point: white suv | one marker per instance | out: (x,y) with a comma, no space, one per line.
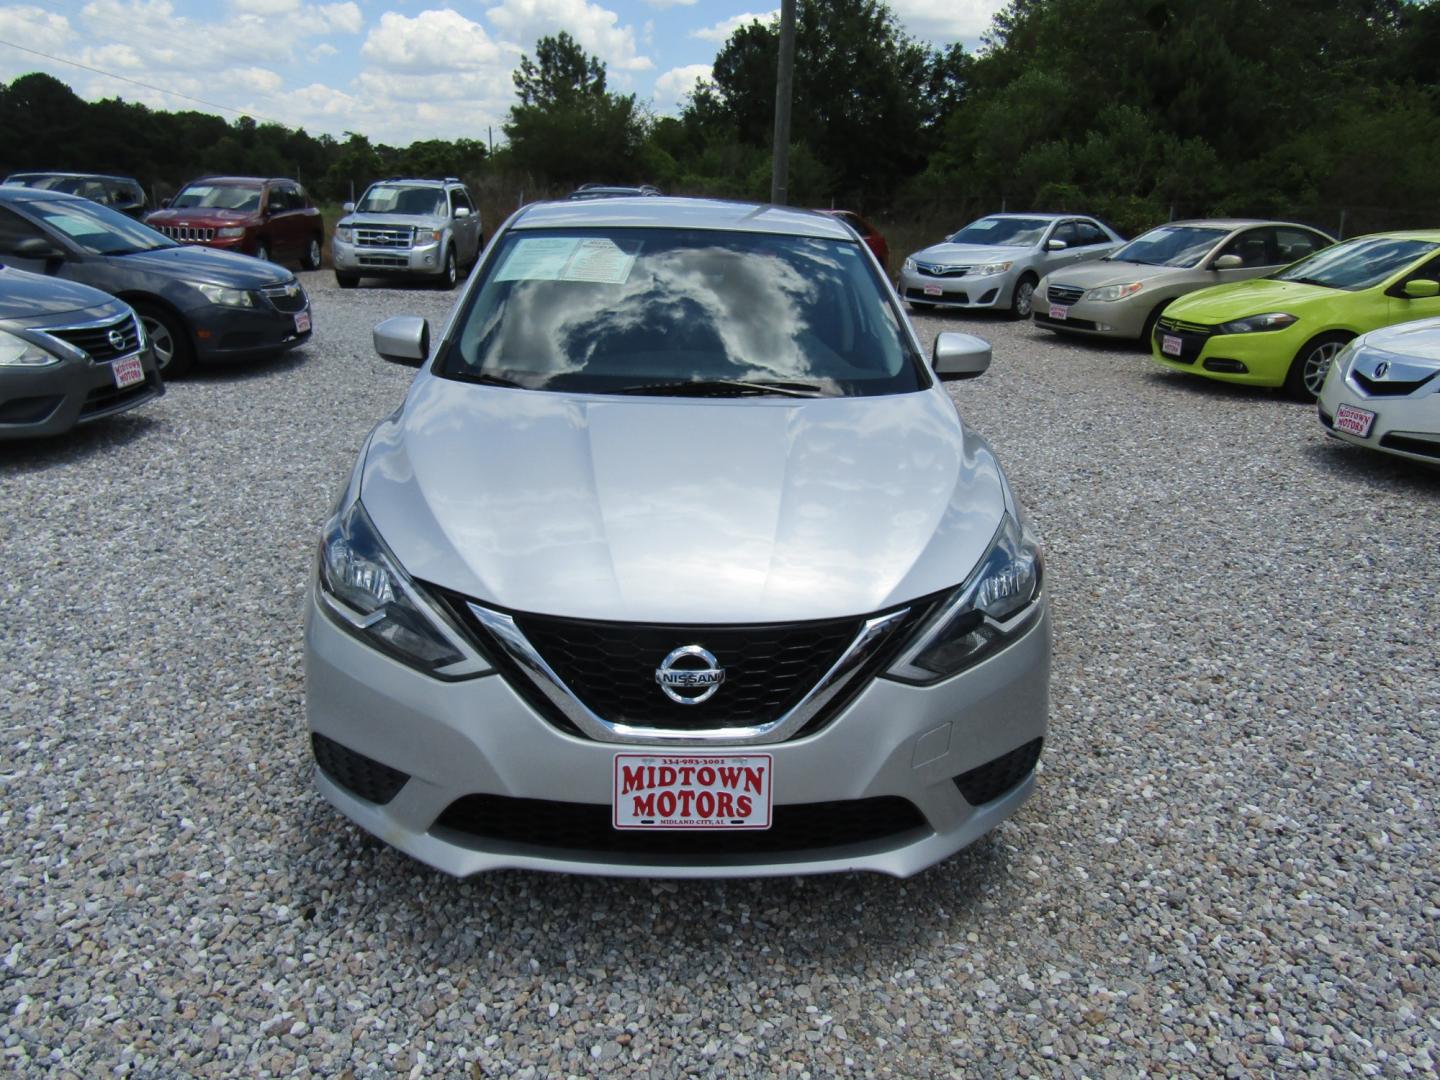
(406,227)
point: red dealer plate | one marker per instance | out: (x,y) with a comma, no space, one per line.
(302,322)
(1059,311)
(934,290)
(1354,421)
(1170,345)
(127,371)
(692,791)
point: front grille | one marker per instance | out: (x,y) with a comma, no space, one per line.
(999,775)
(1411,445)
(95,340)
(1376,388)
(388,261)
(949,297)
(1193,337)
(1064,294)
(371,780)
(800,828)
(611,667)
(283,299)
(941,270)
(188,234)
(379,236)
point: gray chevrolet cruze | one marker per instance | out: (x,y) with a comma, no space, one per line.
(677,561)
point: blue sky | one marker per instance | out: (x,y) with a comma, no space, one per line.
(395,70)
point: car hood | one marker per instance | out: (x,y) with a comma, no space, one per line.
(1238,299)
(36,300)
(203,265)
(681,510)
(1413,345)
(202,216)
(970,254)
(394,221)
(1097,274)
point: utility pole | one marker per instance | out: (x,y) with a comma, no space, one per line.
(784,88)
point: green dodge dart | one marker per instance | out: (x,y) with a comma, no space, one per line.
(1284,329)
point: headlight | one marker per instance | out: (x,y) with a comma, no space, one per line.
(17,352)
(1274,320)
(230,231)
(364,587)
(909,265)
(425,236)
(1115,292)
(984,614)
(990,268)
(344,233)
(219,294)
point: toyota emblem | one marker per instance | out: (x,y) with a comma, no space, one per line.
(690,675)
(1381,368)
(117,340)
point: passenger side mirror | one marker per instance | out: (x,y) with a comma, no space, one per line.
(1421,288)
(403,339)
(1055,245)
(165,204)
(1227,262)
(960,356)
(39,249)
(348,208)
(461,211)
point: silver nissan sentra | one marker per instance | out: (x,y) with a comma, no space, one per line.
(677,561)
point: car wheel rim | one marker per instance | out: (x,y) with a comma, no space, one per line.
(314,253)
(451,272)
(1317,364)
(1024,294)
(160,341)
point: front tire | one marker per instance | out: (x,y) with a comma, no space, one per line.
(1022,301)
(450,274)
(311,259)
(1147,333)
(1308,369)
(346,281)
(169,339)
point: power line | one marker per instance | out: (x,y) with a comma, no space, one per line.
(145,85)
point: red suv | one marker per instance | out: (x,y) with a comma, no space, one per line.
(270,219)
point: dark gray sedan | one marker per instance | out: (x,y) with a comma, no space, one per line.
(195,303)
(69,354)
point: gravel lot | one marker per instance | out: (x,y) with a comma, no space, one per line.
(1228,868)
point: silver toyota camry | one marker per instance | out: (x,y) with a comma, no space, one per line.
(677,561)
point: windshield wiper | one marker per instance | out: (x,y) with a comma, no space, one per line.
(487,379)
(722,388)
(1309,281)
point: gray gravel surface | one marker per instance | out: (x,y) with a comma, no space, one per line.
(1228,868)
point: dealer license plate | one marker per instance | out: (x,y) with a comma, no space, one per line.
(1354,421)
(302,322)
(692,791)
(934,290)
(1170,345)
(127,371)
(1059,311)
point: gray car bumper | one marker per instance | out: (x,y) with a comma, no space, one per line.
(452,740)
(51,400)
(427,260)
(989,291)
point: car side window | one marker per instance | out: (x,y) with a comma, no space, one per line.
(1292,245)
(298,199)
(1255,247)
(14,229)
(279,200)
(459,200)
(1090,233)
(1068,232)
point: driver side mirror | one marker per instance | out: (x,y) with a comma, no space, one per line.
(1055,245)
(960,356)
(1227,262)
(348,208)
(1421,288)
(462,212)
(403,339)
(37,248)
(165,203)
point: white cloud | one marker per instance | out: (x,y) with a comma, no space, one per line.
(663,4)
(320,52)
(721,31)
(672,86)
(35,28)
(946,20)
(432,41)
(597,29)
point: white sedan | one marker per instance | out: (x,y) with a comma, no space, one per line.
(1383,391)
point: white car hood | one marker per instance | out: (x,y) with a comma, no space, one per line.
(970,254)
(681,510)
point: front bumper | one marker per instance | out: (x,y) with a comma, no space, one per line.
(1094,318)
(52,400)
(478,737)
(1407,426)
(426,260)
(988,291)
(1258,359)
(233,333)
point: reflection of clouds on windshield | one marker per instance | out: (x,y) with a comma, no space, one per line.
(740,315)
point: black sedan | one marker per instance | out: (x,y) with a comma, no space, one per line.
(69,354)
(196,303)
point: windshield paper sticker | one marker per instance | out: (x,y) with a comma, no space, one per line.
(561,258)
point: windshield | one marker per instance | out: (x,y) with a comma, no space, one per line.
(1356,264)
(97,229)
(398,199)
(44,182)
(680,311)
(1171,245)
(1002,232)
(213,196)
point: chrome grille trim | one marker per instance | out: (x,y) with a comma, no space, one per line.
(187,234)
(379,236)
(93,338)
